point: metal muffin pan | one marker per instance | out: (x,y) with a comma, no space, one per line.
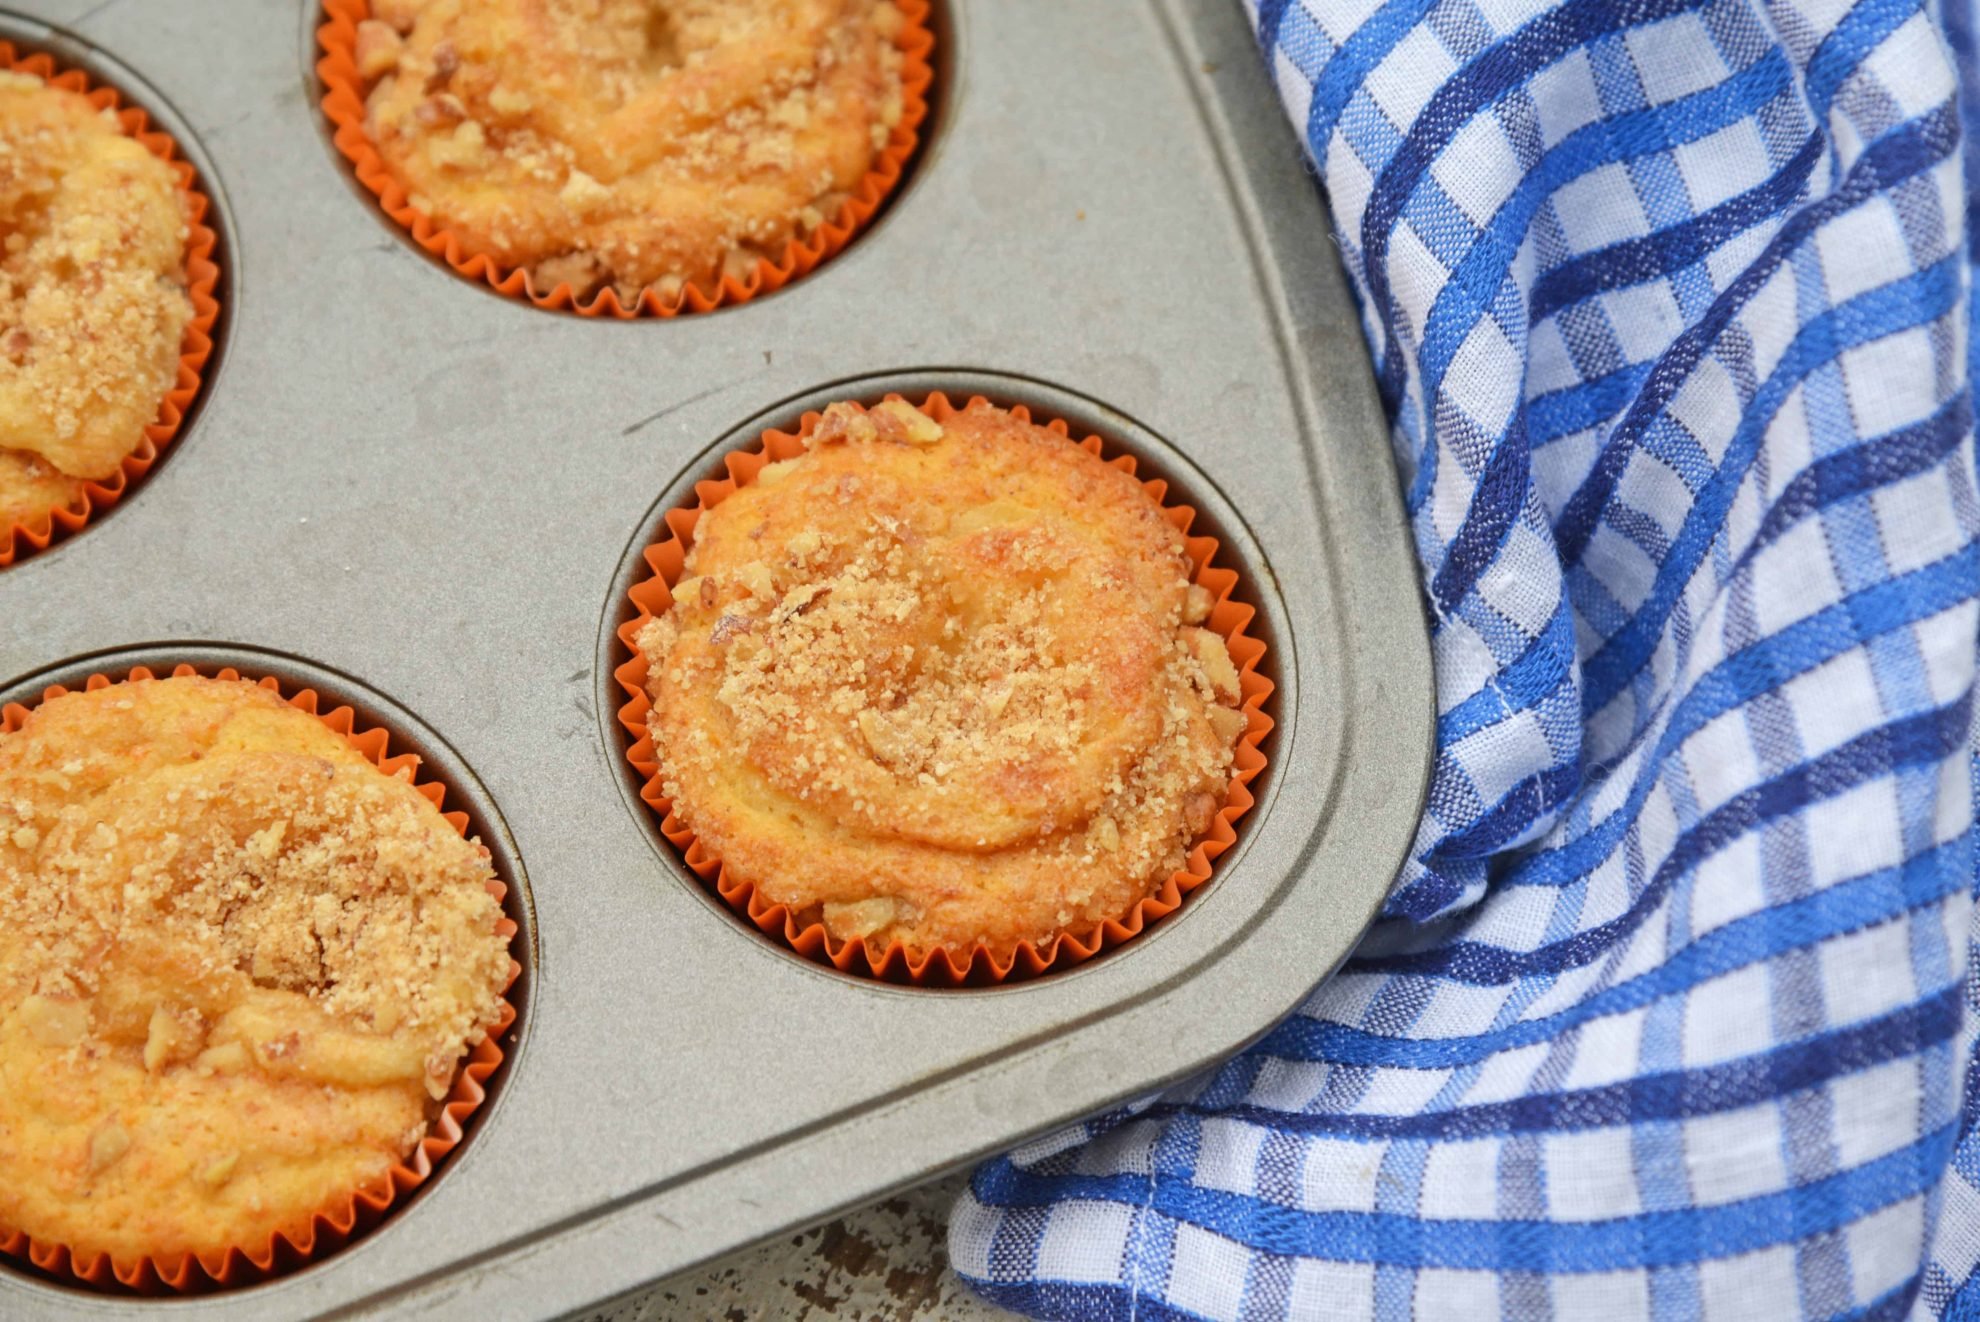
(426,497)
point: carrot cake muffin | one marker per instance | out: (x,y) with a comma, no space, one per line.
(93,301)
(942,684)
(633,143)
(241,966)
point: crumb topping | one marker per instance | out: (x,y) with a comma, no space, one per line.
(213,902)
(322,880)
(940,681)
(93,302)
(633,143)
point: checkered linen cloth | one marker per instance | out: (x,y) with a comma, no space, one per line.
(1673,1011)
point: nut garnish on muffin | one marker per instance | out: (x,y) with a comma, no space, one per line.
(242,966)
(942,684)
(93,301)
(630,143)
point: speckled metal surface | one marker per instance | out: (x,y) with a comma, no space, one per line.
(884,1263)
(400,478)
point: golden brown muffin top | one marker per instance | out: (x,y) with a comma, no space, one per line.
(217,907)
(630,142)
(942,682)
(93,302)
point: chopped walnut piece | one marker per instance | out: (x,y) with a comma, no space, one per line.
(55,1023)
(439,1076)
(886,742)
(1228,722)
(860,919)
(1106,835)
(399,14)
(582,271)
(581,192)
(844,423)
(740,264)
(898,420)
(1216,659)
(227,1058)
(756,579)
(439,111)
(381,118)
(218,1171)
(508,102)
(446,63)
(1197,604)
(729,626)
(376,49)
(464,148)
(267,842)
(161,1039)
(108,1145)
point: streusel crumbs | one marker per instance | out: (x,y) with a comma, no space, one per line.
(93,301)
(631,143)
(242,965)
(942,683)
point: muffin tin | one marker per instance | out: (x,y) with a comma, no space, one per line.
(423,498)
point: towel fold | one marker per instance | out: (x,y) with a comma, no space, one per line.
(1672,1012)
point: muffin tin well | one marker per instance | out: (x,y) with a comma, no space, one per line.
(47,52)
(891,171)
(464,794)
(1155,458)
(399,478)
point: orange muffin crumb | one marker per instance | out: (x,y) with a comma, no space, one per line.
(93,301)
(942,683)
(31,486)
(631,143)
(241,967)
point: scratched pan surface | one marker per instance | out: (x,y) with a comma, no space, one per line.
(424,498)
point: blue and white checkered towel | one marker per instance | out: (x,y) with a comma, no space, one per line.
(1673,1012)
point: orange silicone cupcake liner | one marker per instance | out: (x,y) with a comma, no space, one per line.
(202,278)
(335,1225)
(343,103)
(940,967)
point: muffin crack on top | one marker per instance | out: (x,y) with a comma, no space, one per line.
(93,294)
(242,967)
(630,144)
(942,684)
